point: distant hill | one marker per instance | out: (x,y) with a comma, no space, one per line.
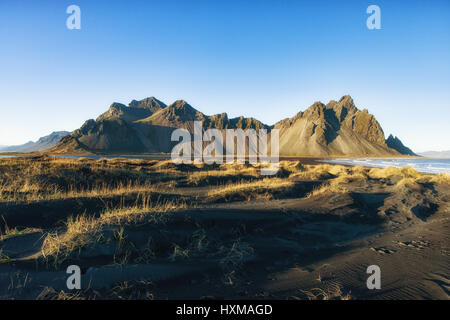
(42,144)
(336,129)
(16,148)
(436,154)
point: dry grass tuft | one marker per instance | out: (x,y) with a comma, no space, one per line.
(125,290)
(388,172)
(333,292)
(410,183)
(85,230)
(442,178)
(10,233)
(249,190)
(293,166)
(212,177)
(314,172)
(328,188)
(27,180)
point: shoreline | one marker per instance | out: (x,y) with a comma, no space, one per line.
(420,164)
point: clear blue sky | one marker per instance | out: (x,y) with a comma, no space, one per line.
(265,59)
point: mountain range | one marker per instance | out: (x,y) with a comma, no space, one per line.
(42,144)
(436,154)
(338,128)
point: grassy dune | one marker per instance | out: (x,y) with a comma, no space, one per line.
(106,213)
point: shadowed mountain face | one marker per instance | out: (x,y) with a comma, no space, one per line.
(337,128)
(396,144)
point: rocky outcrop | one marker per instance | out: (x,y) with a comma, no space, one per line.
(396,144)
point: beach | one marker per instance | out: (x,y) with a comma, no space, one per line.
(150,229)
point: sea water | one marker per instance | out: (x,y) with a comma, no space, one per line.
(425,165)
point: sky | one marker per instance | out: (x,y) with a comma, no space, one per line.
(256,58)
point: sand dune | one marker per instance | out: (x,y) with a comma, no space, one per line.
(194,231)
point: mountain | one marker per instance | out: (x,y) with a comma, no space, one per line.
(396,144)
(336,129)
(143,126)
(42,144)
(16,148)
(436,154)
(46,142)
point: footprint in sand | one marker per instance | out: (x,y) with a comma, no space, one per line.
(419,245)
(382,250)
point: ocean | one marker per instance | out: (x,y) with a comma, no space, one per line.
(426,165)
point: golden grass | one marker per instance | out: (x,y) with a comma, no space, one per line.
(349,176)
(207,177)
(38,192)
(388,172)
(328,188)
(252,188)
(46,178)
(443,178)
(124,290)
(410,183)
(27,180)
(292,166)
(333,292)
(314,172)
(10,233)
(84,230)
(51,294)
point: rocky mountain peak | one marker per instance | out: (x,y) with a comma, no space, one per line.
(181,108)
(150,103)
(315,111)
(347,101)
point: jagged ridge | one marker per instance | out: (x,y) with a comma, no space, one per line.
(336,129)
